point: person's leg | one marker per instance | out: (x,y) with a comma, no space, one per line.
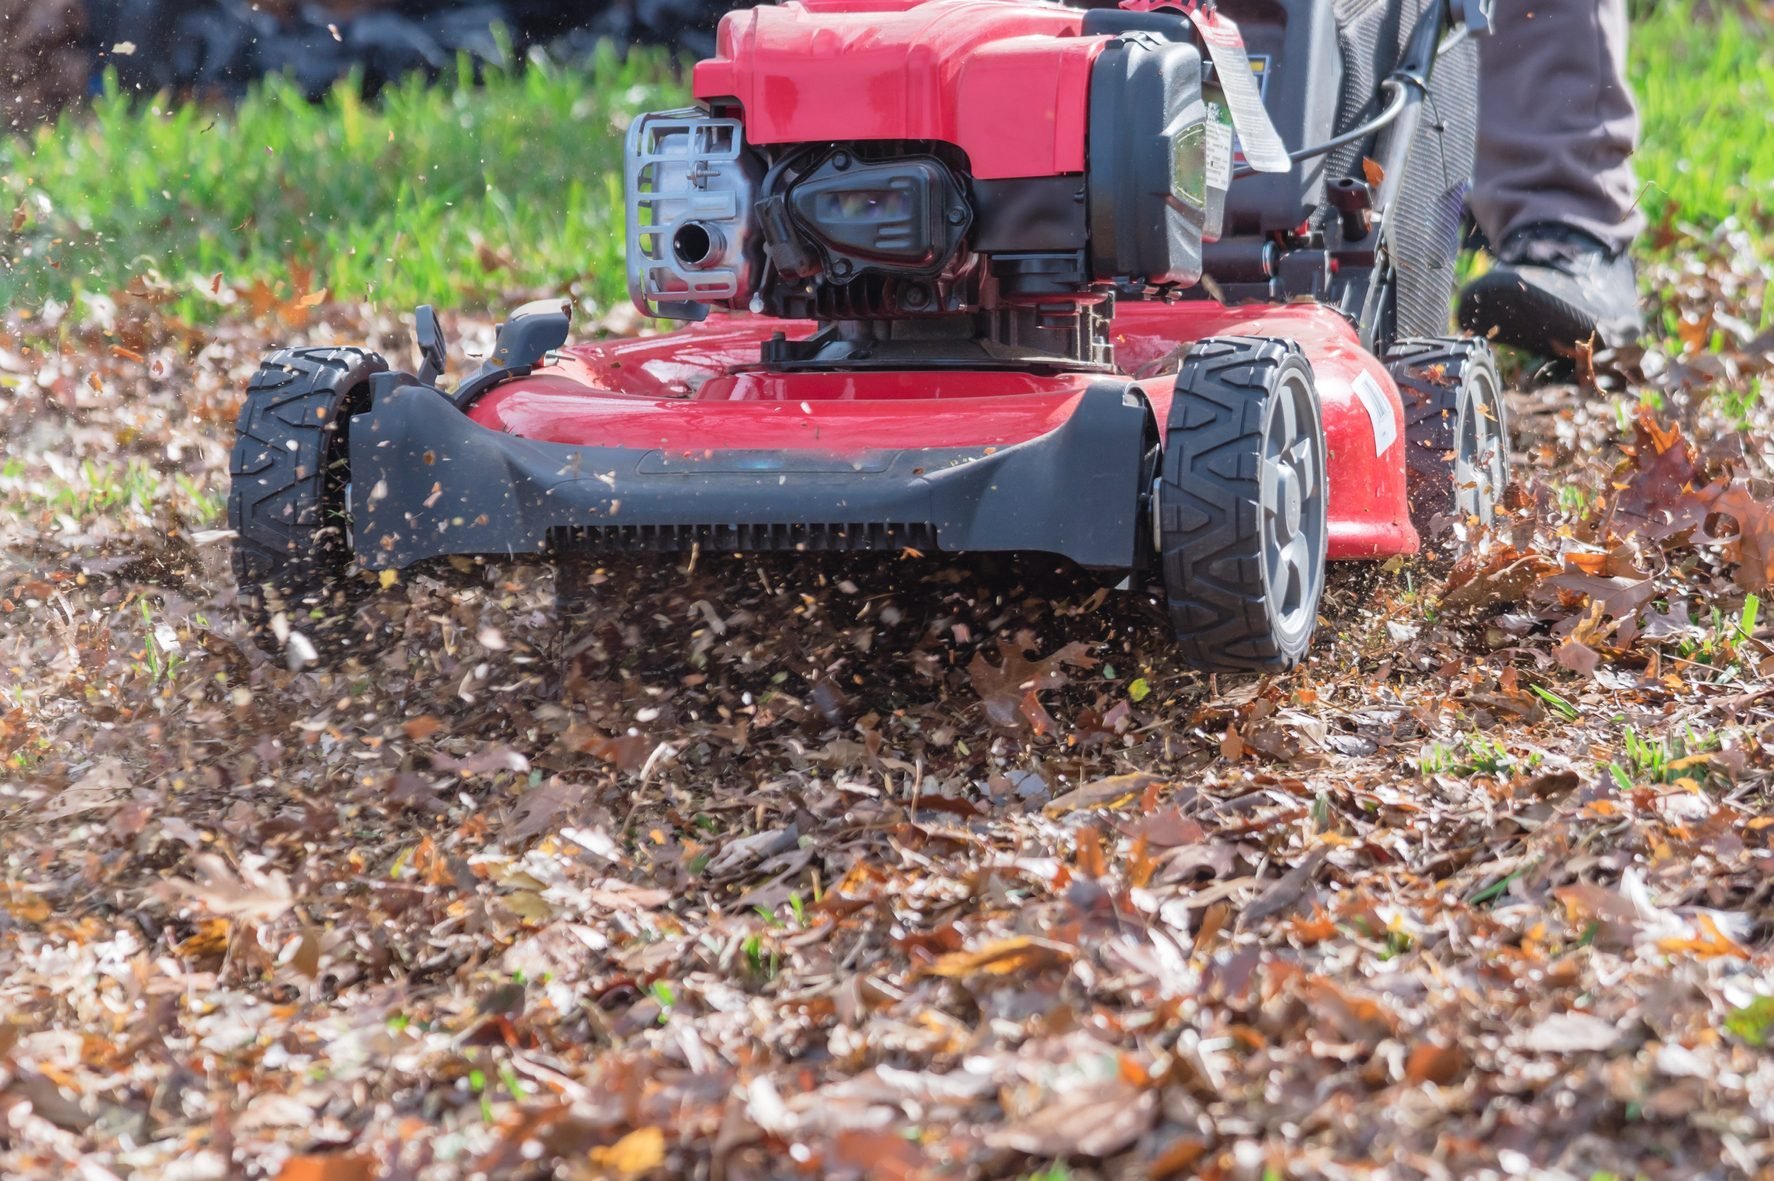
(1554,191)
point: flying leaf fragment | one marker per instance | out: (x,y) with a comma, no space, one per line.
(1504,575)
(1752,547)
(1009,691)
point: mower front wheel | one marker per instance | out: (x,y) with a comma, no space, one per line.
(286,496)
(1456,433)
(1239,505)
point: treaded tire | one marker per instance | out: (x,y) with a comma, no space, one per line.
(286,495)
(1242,596)
(1456,434)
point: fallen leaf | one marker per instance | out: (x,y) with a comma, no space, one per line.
(1432,1062)
(885,1155)
(421,727)
(626,752)
(639,1152)
(1570,1033)
(1579,658)
(250,895)
(1286,891)
(210,939)
(1094,1119)
(1658,491)
(107,785)
(334,1166)
(1019,953)
(1111,792)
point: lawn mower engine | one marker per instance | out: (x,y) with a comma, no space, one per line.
(971,276)
(964,185)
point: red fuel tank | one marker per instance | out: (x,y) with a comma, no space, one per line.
(1004,80)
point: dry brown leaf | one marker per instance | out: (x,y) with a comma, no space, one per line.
(1504,575)
(1094,1119)
(1579,658)
(1286,891)
(1709,943)
(885,1155)
(1112,792)
(421,727)
(210,939)
(1752,546)
(1619,597)
(1570,1033)
(636,1154)
(1002,957)
(1177,1159)
(334,1166)
(1009,691)
(626,752)
(1695,334)
(251,895)
(1432,1062)
(106,786)
(1658,491)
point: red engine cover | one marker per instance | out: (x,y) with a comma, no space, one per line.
(1006,81)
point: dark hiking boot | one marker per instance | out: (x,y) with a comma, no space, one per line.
(1554,287)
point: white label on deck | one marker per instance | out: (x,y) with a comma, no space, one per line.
(1379,411)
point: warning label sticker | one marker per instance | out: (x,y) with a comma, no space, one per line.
(1379,411)
(1219,149)
(1259,65)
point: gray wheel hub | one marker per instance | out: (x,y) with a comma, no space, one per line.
(1481,452)
(1293,537)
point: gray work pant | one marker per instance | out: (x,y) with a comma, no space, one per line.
(1557,125)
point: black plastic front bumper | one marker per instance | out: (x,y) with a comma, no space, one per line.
(427,481)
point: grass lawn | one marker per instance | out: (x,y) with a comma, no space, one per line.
(450,194)
(461,196)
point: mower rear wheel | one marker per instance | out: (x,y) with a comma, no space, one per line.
(1456,433)
(1239,505)
(286,496)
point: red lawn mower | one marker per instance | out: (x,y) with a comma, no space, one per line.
(992,275)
